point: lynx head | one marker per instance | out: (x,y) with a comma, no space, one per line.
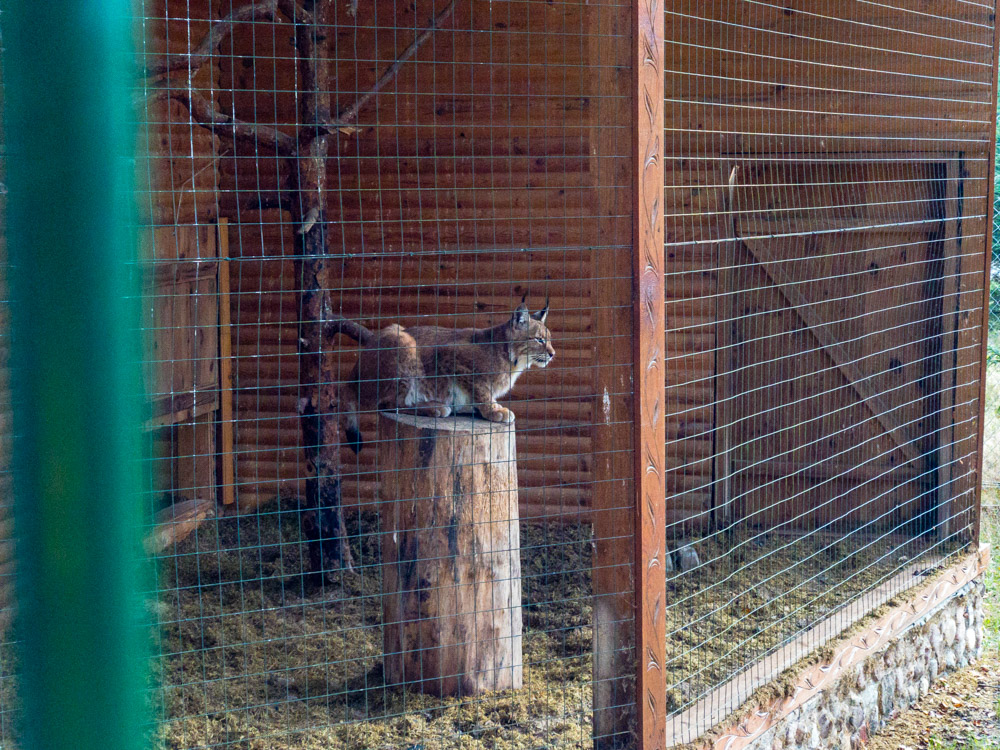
(530,341)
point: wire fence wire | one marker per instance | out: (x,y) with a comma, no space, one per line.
(409,163)
(991,414)
(826,246)
(469,582)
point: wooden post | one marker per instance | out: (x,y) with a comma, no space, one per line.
(451,572)
(226,438)
(612,436)
(650,375)
(950,248)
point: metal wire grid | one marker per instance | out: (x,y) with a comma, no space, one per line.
(991,412)
(452,197)
(822,323)
(467,182)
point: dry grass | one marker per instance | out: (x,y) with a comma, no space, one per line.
(250,661)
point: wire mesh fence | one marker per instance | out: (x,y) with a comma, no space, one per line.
(823,315)
(366,581)
(991,413)
(390,316)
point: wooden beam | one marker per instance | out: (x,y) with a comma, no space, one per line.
(649,373)
(227,454)
(805,309)
(826,470)
(182,407)
(951,264)
(612,438)
(174,524)
(725,385)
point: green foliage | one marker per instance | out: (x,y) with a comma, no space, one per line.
(971,743)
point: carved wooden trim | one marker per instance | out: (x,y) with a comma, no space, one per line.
(650,442)
(749,724)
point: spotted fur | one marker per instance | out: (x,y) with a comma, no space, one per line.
(435,371)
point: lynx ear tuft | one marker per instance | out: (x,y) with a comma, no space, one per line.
(519,321)
(542,314)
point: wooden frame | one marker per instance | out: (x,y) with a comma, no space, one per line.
(227,430)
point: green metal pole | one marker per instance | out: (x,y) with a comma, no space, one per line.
(68,65)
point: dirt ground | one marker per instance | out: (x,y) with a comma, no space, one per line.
(251,660)
(962,711)
(959,713)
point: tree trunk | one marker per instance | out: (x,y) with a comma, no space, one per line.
(451,571)
(317,395)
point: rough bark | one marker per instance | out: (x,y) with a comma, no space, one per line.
(450,554)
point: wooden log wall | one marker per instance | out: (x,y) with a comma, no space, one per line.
(467,183)
(179,166)
(889,107)
(470,180)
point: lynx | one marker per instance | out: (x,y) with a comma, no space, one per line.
(435,372)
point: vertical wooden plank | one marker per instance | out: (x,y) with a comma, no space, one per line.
(650,374)
(194,462)
(612,139)
(950,268)
(987,263)
(227,455)
(725,314)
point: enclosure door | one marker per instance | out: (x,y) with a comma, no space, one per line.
(837,343)
(182,358)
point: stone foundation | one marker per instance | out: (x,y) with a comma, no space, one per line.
(873,691)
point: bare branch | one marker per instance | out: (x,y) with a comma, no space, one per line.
(350,114)
(295,12)
(204,113)
(201,54)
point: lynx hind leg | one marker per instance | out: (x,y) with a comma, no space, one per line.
(404,405)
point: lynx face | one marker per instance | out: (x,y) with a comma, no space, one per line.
(530,340)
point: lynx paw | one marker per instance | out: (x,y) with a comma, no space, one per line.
(435,410)
(500,414)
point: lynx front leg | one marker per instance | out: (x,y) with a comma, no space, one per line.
(496,413)
(489,409)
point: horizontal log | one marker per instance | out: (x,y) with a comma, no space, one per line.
(174,524)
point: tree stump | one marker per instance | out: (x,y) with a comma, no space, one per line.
(451,568)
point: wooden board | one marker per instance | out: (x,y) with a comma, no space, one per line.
(226,437)
(840,342)
(612,439)
(182,357)
(179,160)
(987,272)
